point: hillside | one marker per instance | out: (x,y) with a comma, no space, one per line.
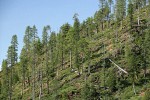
(87,61)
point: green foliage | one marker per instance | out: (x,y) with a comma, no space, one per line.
(111,81)
(130,13)
(76,35)
(14,43)
(89,92)
(45,34)
(147,95)
(120,9)
(4,81)
(52,64)
(127,94)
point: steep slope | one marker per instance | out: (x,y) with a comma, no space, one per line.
(99,78)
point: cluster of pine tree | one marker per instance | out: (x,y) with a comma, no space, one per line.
(109,54)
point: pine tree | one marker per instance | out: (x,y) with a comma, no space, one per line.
(53,54)
(45,42)
(132,68)
(98,18)
(83,50)
(45,34)
(63,32)
(34,39)
(90,27)
(23,65)
(39,69)
(70,42)
(1,90)
(146,51)
(27,46)
(28,38)
(14,43)
(76,27)
(111,81)
(5,80)
(64,29)
(120,9)
(102,2)
(110,2)
(107,13)
(130,13)
(10,61)
(144,2)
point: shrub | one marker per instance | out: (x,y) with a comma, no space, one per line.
(147,95)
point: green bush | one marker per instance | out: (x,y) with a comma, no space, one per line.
(89,93)
(127,94)
(147,95)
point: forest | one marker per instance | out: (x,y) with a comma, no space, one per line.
(105,57)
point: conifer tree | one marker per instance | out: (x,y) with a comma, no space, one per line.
(102,4)
(110,2)
(34,38)
(14,43)
(132,68)
(45,41)
(63,32)
(76,27)
(23,65)
(120,9)
(53,54)
(146,51)
(70,42)
(130,13)
(27,46)
(10,62)
(5,80)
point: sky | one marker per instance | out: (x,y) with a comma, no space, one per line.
(16,15)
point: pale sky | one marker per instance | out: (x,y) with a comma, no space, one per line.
(15,15)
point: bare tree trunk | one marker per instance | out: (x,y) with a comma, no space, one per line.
(23,80)
(82,67)
(62,59)
(41,78)
(108,21)
(33,73)
(102,26)
(70,59)
(10,85)
(48,86)
(85,78)
(57,73)
(133,84)
(29,80)
(96,28)
(116,37)
(118,67)
(121,23)
(138,17)
(89,69)
(47,68)
(145,68)
(145,72)
(33,84)
(22,88)
(89,65)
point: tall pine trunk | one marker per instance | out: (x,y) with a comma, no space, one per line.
(10,85)
(70,59)
(41,78)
